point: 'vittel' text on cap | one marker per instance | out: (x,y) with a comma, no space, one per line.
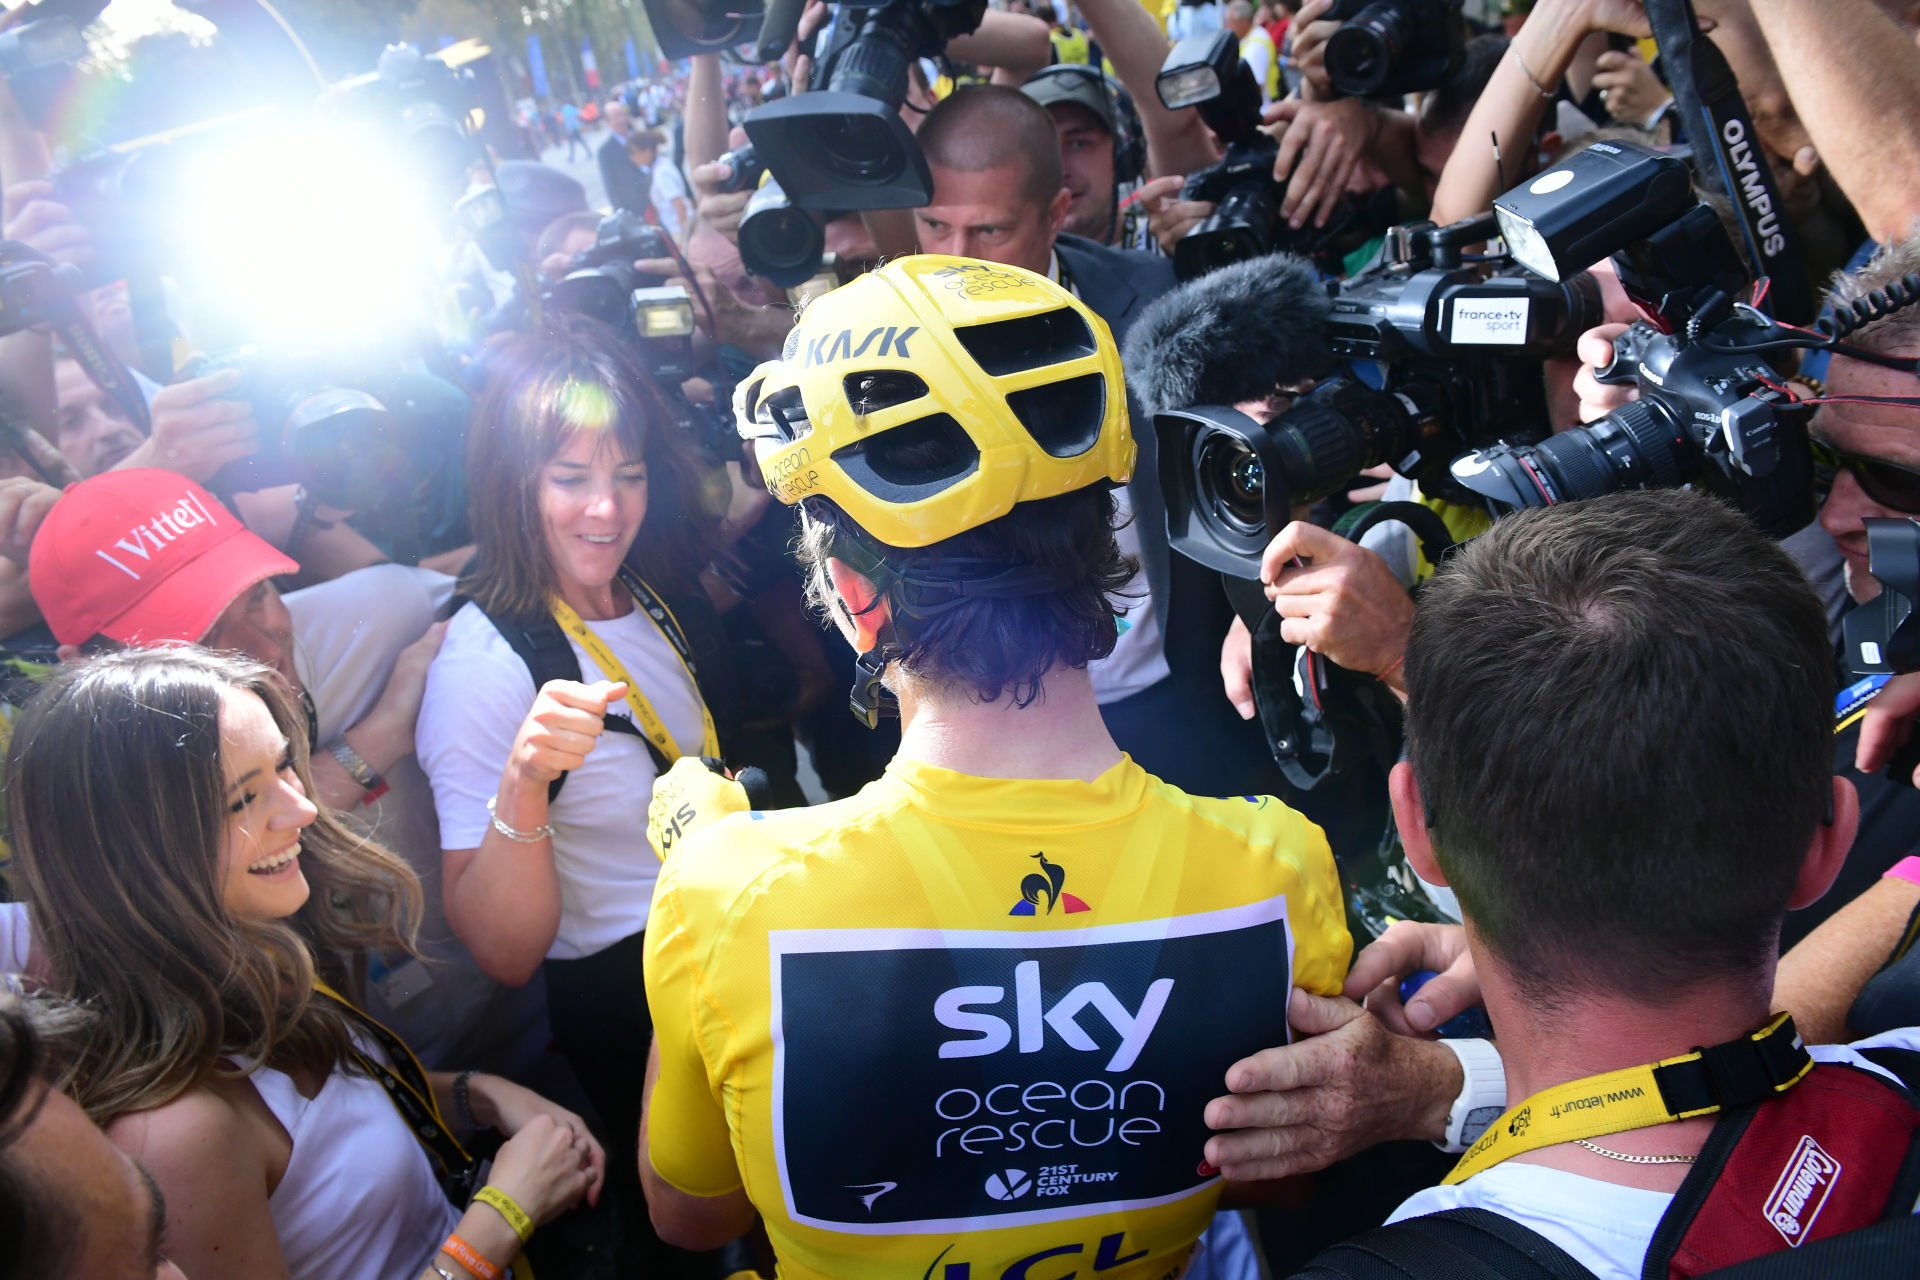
(158,533)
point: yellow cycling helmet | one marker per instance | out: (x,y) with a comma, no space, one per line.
(929,396)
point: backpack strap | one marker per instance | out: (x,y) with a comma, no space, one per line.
(1456,1244)
(1884,1251)
(543,646)
(1829,1157)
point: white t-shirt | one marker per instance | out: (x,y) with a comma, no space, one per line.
(1139,657)
(669,184)
(347,635)
(1607,1228)
(479,692)
(16,937)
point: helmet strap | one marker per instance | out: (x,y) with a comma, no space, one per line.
(870,700)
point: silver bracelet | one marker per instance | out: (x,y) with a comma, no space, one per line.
(542,832)
(1527,71)
(442,1272)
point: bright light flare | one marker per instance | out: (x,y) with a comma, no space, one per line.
(321,236)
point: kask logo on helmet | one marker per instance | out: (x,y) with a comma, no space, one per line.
(831,347)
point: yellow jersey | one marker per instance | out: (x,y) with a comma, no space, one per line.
(953,1026)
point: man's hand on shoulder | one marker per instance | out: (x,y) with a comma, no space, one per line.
(1349,1084)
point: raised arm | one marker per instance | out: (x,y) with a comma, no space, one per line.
(1177,141)
(1854,78)
(1520,92)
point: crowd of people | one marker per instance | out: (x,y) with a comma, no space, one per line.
(474,870)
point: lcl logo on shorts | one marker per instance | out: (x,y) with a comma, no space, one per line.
(1801,1191)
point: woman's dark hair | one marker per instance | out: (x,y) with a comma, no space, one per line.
(992,645)
(541,389)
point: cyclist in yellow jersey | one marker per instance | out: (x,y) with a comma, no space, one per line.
(964,1025)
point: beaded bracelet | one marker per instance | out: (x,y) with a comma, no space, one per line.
(542,832)
(463,1101)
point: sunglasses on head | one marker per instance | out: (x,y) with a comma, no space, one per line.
(1889,484)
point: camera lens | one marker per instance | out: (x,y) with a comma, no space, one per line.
(857,149)
(1233,484)
(778,241)
(1362,53)
(1639,446)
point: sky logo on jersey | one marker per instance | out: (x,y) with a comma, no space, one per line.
(1046,883)
(1025,1075)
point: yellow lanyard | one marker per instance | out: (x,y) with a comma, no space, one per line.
(651,725)
(1613,1102)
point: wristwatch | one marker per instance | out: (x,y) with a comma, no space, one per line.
(1483,1093)
(363,773)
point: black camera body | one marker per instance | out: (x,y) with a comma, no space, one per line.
(601,280)
(1394,47)
(1245,222)
(1458,346)
(1711,410)
(1206,72)
(34,291)
(604,285)
(843,145)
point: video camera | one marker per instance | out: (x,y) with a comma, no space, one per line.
(1393,47)
(1459,347)
(1711,410)
(1206,72)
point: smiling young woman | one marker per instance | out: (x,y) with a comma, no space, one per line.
(192,899)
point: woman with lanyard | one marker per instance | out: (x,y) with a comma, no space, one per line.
(588,520)
(197,908)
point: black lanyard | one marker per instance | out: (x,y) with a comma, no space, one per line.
(411,1093)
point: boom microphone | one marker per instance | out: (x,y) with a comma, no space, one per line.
(1230,336)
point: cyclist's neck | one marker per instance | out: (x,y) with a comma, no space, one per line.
(1058,735)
